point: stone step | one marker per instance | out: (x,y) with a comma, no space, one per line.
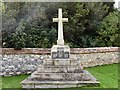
(60,66)
(60,69)
(27,83)
(65,62)
(59,76)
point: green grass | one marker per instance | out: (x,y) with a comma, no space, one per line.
(107,75)
(13,81)
(0,83)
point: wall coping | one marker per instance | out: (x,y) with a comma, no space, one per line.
(43,51)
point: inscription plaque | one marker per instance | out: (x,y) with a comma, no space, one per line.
(60,54)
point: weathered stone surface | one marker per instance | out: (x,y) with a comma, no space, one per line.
(60,52)
(59,80)
(61,66)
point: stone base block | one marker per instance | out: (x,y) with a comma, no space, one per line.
(32,82)
(60,52)
(61,62)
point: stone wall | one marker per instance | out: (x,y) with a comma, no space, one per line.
(19,64)
(25,61)
(40,51)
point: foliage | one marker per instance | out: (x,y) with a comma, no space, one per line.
(109,31)
(30,25)
(18,38)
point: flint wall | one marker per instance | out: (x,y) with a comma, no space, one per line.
(25,61)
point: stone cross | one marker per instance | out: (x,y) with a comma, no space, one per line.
(60,21)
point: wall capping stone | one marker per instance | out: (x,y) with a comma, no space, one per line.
(43,51)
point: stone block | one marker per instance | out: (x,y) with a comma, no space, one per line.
(28,86)
(48,62)
(45,86)
(70,69)
(60,52)
(11,73)
(18,73)
(61,62)
(74,62)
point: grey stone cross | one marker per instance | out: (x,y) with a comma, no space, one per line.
(60,21)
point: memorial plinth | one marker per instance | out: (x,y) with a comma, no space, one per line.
(60,52)
(61,70)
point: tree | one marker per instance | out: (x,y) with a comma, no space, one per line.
(84,29)
(84,22)
(18,38)
(52,36)
(108,31)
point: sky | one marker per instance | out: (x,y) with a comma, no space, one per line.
(116,3)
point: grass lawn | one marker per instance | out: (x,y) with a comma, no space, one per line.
(0,83)
(107,75)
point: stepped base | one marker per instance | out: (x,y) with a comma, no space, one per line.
(59,73)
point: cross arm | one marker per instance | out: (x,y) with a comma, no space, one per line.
(55,19)
(65,19)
